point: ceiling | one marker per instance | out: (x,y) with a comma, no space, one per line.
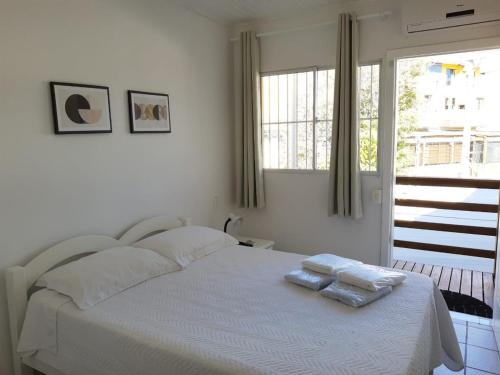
(236,11)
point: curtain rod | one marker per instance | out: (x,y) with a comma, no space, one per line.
(359,18)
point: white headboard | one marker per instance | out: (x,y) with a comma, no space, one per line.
(19,279)
(149,226)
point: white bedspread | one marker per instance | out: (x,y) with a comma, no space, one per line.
(233,313)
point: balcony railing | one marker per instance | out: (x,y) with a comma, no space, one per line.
(491,208)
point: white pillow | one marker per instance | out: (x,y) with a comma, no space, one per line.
(186,244)
(101,275)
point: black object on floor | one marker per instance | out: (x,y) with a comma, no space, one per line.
(466,304)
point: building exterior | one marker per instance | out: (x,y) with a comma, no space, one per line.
(457,125)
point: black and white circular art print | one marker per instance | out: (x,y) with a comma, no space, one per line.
(80,108)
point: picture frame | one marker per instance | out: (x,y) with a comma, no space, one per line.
(149,112)
(80,108)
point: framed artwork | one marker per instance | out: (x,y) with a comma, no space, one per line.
(79,109)
(149,112)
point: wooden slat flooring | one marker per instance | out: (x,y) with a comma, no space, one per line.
(444,279)
(399,264)
(427,269)
(456,278)
(418,268)
(488,285)
(466,284)
(408,266)
(472,283)
(436,274)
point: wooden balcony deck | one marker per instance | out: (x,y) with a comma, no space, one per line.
(442,223)
(427,217)
(472,283)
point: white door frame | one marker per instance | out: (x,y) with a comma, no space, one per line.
(389,119)
(388,138)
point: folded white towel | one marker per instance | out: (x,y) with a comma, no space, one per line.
(328,263)
(352,295)
(309,279)
(370,277)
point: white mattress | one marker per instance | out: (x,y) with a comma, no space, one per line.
(233,313)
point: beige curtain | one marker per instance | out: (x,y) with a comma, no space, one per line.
(345,184)
(249,173)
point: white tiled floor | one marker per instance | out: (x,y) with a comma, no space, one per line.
(478,346)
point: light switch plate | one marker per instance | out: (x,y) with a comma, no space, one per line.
(377,196)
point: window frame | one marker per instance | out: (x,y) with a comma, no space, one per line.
(315,69)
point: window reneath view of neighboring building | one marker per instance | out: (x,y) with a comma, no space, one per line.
(449,115)
(297,113)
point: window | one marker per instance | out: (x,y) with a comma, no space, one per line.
(369,84)
(297,111)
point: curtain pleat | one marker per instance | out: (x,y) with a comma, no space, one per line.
(345,181)
(249,171)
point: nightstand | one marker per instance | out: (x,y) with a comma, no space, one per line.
(258,242)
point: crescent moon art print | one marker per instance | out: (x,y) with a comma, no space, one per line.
(80,108)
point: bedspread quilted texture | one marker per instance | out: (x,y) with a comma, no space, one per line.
(233,313)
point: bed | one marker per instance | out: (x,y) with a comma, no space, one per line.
(230,312)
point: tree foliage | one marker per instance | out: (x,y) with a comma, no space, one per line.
(408,104)
(368,106)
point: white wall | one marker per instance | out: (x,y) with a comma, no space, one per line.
(54,187)
(296,216)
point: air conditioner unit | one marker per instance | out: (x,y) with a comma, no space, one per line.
(425,15)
